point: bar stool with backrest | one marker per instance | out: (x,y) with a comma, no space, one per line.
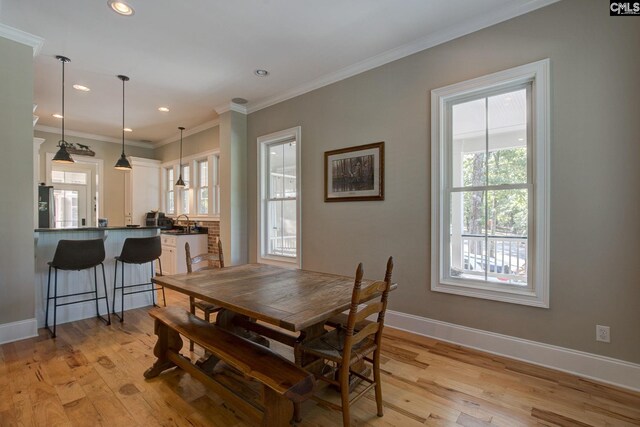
(347,345)
(76,255)
(137,250)
(206,307)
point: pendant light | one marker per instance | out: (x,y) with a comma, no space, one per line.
(180,182)
(63,156)
(123,163)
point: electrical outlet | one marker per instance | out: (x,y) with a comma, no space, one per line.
(603,333)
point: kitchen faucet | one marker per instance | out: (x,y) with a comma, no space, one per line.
(184,215)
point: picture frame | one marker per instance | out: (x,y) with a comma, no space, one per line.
(354,173)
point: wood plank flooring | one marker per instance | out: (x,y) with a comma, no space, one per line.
(91,375)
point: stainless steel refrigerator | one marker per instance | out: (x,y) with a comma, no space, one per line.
(46,207)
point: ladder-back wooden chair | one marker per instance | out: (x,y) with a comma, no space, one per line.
(206,307)
(347,346)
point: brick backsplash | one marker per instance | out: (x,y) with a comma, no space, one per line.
(213,228)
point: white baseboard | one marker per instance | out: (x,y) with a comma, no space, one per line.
(600,368)
(16,331)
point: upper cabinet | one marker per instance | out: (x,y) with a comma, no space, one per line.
(142,190)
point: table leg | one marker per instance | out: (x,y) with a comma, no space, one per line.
(168,339)
(225,320)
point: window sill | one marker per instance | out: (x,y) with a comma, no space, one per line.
(514,296)
(279,261)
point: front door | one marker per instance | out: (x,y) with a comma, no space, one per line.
(70,205)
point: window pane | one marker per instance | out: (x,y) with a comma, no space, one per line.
(468,235)
(289,168)
(203,200)
(282,228)
(508,236)
(507,118)
(66,208)
(171,208)
(75,178)
(468,138)
(170,180)
(185,191)
(203,174)
(276,171)
(57,176)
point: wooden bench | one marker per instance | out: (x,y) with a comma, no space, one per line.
(283,382)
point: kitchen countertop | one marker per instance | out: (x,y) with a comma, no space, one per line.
(66,230)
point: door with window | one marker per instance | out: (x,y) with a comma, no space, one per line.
(72,198)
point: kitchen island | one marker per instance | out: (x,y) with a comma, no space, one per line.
(46,240)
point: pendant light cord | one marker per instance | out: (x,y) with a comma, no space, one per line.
(63,141)
(123,117)
(181,153)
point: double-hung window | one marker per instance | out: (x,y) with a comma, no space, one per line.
(279,197)
(185,191)
(200,196)
(202,190)
(490,186)
(169,191)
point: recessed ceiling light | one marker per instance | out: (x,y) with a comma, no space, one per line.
(164,109)
(520,139)
(274,153)
(128,130)
(121,7)
(240,101)
(261,73)
(57,116)
(81,88)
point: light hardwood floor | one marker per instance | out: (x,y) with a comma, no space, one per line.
(92,375)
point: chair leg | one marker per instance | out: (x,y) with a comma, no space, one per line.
(115,286)
(377,379)
(122,296)
(153,288)
(46,316)
(55,300)
(344,394)
(95,288)
(106,295)
(192,310)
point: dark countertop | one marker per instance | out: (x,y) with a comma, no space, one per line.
(66,230)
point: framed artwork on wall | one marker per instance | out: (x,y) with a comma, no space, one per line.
(354,173)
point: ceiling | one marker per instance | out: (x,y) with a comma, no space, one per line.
(194,56)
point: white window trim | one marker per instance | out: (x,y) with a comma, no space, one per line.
(538,73)
(192,162)
(262,145)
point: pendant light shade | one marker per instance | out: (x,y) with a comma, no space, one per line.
(63,156)
(123,162)
(180,181)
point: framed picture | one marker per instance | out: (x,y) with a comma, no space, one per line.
(354,173)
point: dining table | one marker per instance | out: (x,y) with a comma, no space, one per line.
(254,297)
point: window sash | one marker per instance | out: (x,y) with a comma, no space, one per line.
(187,199)
(534,77)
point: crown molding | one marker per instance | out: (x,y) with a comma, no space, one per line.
(22,37)
(204,126)
(232,106)
(434,39)
(95,137)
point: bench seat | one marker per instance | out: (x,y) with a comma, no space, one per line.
(283,381)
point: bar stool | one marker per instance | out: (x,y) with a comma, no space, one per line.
(137,250)
(76,255)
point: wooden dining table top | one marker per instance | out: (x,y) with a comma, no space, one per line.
(289,298)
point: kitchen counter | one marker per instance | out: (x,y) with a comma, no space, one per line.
(46,241)
(72,229)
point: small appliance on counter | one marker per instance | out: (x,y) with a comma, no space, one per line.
(103,222)
(152,219)
(164,222)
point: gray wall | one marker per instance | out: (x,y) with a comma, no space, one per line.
(113,195)
(595,180)
(16,174)
(208,139)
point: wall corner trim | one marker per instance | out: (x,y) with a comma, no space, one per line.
(600,368)
(20,330)
(22,37)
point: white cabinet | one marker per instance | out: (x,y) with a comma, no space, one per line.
(173,256)
(141,189)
